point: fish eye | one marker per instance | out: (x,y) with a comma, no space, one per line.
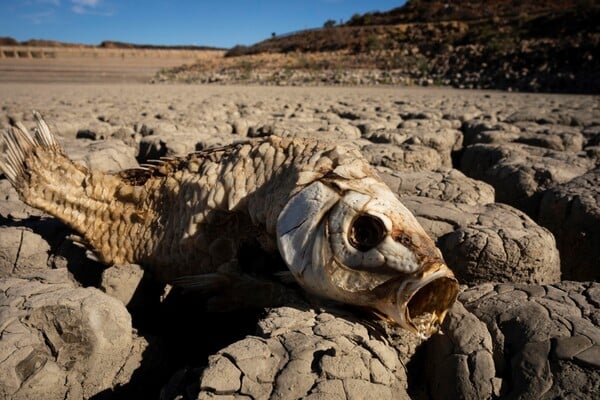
(366,232)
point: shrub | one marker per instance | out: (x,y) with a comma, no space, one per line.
(237,50)
(330,23)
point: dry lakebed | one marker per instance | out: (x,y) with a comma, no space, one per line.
(507,184)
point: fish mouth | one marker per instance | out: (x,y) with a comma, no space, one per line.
(421,304)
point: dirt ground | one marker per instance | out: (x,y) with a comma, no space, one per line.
(506,184)
(30,64)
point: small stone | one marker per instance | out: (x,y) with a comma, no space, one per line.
(295,381)
(334,328)
(411,157)
(325,396)
(531,290)
(379,373)
(87,134)
(285,319)
(255,389)
(122,281)
(105,155)
(240,127)
(221,376)
(566,348)
(476,292)
(344,366)
(330,387)
(357,389)
(504,288)
(593,294)
(384,353)
(590,356)
(22,252)
(253,357)
(497,386)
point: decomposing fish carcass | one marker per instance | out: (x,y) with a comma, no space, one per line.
(341,231)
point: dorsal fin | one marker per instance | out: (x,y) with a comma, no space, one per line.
(135,176)
(170,164)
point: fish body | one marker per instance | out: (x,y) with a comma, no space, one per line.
(340,230)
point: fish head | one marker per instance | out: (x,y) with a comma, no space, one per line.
(353,241)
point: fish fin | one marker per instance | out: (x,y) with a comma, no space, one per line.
(83,244)
(225,291)
(91,256)
(78,241)
(204,284)
(18,143)
(135,176)
(285,277)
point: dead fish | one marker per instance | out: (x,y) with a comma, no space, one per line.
(341,231)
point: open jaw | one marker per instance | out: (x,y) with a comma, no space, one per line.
(420,304)
(429,303)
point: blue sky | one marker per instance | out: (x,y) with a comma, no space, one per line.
(222,23)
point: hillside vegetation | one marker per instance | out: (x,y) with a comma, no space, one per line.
(535,46)
(467,10)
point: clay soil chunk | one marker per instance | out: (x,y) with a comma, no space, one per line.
(546,339)
(489,243)
(306,354)
(572,212)
(59,340)
(448,185)
(520,173)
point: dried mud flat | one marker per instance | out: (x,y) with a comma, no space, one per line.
(508,185)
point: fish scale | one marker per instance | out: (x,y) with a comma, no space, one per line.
(164,193)
(186,219)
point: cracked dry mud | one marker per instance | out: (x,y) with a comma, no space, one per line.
(526,324)
(307,354)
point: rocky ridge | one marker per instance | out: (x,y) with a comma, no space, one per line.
(548,46)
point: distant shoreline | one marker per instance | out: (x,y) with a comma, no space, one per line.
(38,64)
(106,44)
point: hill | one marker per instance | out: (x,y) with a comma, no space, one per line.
(466,10)
(534,46)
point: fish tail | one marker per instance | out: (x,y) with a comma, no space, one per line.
(45,178)
(17,144)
